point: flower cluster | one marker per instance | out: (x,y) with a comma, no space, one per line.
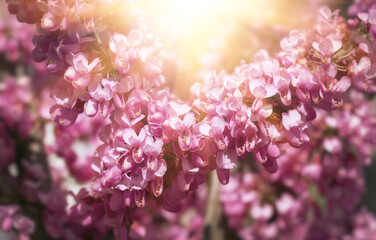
(20,177)
(364,226)
(252,110)
(258,107)
(269,101)
(33,200)
(187,224)
(15,44)
(25,10)
(75,144)
(360,6)
(315,193)
(100,65)
(11,217)
(155,146)
(15,39)
(15,120)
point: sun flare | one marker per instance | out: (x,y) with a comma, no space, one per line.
(192,28)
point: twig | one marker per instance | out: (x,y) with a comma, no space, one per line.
(213,209)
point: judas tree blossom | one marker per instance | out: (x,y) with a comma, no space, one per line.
(360,6)
(309,183)
(11,218)
(154,147)
(118,75)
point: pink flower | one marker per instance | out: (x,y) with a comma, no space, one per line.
(295,128)
(262,213)
(79,74)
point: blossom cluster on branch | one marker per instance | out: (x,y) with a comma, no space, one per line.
(33,195)
(316,191)
(155,147)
